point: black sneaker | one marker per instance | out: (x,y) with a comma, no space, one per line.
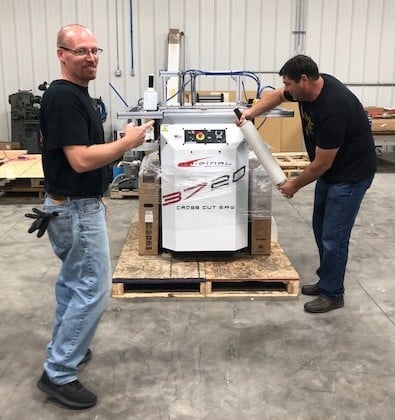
(72,395)
(323,304)
(311,289)
(86,358)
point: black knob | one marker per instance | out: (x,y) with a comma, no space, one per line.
(237,112)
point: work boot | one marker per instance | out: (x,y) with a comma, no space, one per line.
(86,358)
(323,304)
(72,395)
(311,289)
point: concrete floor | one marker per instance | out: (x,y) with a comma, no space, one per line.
(235,359)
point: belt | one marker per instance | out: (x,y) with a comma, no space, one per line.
(59,197)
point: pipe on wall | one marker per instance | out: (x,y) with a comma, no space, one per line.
(131,40)
(300,26)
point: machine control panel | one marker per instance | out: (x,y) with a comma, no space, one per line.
(205,136)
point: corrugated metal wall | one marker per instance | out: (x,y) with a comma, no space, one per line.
(352,39)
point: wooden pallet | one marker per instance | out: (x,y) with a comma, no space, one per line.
(205,289)
(28,185)
(292,163)
(202,275)
(119,194)
(21,173)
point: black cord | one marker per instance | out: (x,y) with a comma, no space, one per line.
(260,125)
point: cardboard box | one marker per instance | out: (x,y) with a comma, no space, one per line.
(260,236)
(270,130)
(260,209)
(173,64)
(148,227)
(175,36)
(282,134)
(149,202)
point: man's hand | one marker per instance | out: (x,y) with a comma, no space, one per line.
(135,134)
(41,221)
(245,115)
(288,188)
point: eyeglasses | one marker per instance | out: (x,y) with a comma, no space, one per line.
(80,52)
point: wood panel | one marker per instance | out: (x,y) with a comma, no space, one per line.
(21,166)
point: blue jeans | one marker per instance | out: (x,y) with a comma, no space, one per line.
(78,236)
(335,209)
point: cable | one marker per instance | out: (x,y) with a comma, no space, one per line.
(119,96)
(131,39)
(184,85)
(266,87)
(260,125)
(102,109)
(195,72)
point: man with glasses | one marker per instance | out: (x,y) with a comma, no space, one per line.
(75,158)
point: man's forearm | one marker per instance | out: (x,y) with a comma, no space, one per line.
(268,101)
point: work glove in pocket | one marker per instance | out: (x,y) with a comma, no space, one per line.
(41,220)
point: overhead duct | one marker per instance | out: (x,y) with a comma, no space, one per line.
(299,31)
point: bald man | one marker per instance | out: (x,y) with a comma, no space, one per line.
(75,159)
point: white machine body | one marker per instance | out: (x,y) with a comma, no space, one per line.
(204,186)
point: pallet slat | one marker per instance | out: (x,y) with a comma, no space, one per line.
(292,163)
(119,194)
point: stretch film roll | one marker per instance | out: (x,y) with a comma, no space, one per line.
(262,152)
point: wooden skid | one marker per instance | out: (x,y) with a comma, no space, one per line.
(292,173)
(18,186)
(202,275)
(205,289)
(253,289)
(22,173)
(117,194)
(292,163)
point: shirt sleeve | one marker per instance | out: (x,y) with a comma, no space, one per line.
(67,125)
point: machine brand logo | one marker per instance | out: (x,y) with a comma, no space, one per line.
(203,163)
(213,185)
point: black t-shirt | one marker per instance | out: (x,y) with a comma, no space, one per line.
(336,119)
(67,117)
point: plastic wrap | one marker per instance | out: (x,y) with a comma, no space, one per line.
(150,165)
(260,189)
(257,207)
(262,152)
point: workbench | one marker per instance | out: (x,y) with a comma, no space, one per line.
(384,141)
